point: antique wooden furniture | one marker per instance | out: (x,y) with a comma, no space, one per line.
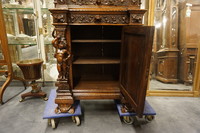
(166,20)
(5,59)
(93,60)
(32,71)
(189,37)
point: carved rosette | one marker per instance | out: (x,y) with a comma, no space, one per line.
(136,18)
(110,19)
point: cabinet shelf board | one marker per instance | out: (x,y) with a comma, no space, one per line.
(97,86)
(96,41)
(96,61)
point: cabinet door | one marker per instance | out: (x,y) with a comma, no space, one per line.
(135,63)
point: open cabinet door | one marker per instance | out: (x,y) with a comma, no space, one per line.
(135,63)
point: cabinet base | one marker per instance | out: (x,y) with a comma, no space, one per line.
(165,80)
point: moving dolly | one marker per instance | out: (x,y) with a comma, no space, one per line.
(149,113)
(49,112)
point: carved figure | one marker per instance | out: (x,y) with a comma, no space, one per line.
(63,57)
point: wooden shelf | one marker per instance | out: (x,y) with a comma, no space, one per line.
(96,61)
(96,41)
(97,86)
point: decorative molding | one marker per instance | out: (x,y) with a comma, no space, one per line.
(111,19)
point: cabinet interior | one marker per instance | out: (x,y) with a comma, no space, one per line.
(96,56)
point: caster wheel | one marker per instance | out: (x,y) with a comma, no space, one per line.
(149,118)
(76,120)
(52,123)
(128,119)
(21,100)
(45,98)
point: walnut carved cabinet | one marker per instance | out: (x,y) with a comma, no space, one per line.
(102,52)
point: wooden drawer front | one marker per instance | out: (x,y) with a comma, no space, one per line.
(98,2)
(98,18)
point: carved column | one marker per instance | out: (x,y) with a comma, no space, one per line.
(62,46)
(167,30)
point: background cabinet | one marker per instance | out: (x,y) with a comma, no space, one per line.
(189,37)
(166,19)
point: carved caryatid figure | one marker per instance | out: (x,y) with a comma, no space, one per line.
(63,57)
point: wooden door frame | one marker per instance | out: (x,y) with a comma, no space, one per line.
(196,85)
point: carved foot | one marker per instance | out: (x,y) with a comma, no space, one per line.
(63,108)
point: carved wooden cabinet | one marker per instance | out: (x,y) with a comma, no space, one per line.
(166,21)
(189,37)
(102,52)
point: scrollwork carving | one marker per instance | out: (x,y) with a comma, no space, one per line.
(112,19)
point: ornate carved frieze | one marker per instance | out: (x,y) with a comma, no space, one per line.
(110,19)
(99,2)
(136,18)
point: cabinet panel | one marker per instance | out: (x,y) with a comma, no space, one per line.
(135,62)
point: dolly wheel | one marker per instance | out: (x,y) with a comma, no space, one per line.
(45,98)
(21,100)
(76,120)
(52,123)
(149,118)
(128,119)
